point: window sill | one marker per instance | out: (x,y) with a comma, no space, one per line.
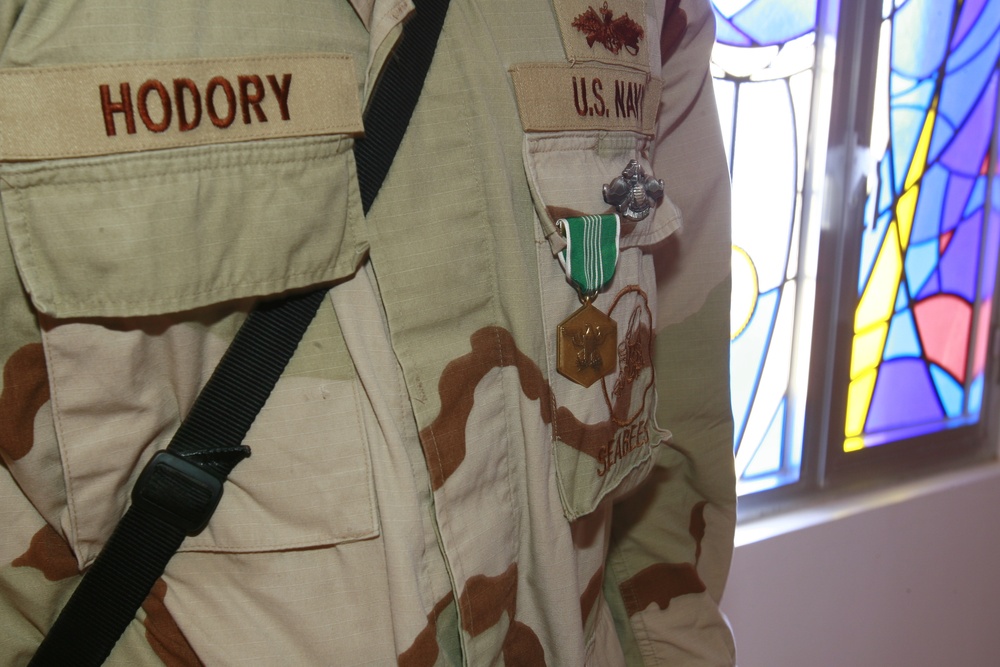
(841,505)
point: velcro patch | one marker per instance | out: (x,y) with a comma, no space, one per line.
(614,32)
(103,109)
(556,97)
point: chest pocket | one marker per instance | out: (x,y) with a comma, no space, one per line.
(603,435)
(142,266)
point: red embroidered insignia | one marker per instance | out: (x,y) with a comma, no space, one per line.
(613,33)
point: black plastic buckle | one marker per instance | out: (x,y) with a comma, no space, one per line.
(181,493)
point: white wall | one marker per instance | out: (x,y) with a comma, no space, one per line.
(904,578)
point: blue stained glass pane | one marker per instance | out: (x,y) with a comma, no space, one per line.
(964,88)
(727,33)
(931,287)
(903,340)
(729,7)
(927,24)
(961,87)
(970,12)
(977,199)
(767,460)
(977,38)
(950,392)
(747,357)
(902,297)
(960,262)
(886,194)
(968,147)
(777,21)
(904,394)
(906,125)
(944,131)
(959,188)
(871,243)
(869,219)
(976,396)
(926,223)
(921,260)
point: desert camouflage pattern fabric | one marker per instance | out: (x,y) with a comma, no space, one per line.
(425,488)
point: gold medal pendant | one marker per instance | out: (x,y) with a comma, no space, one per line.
(586,345)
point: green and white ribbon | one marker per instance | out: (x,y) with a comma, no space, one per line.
(591,253)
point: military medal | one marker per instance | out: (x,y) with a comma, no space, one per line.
(587,340)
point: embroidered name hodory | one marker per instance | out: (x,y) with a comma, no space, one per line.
(221,98)
(555,97)
(103,109)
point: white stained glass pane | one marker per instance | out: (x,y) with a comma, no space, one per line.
(773,381)
(768,458)
(792,268)
(800,87)
(880,115)
(794,57)
(747,358)
(764,178)
(741,62)
(725,98)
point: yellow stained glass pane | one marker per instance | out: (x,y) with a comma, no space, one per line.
(907,205)
(919,162)
(859,397)
(906,208)
(867,352)
(745,292)
(879,297)
(854,444)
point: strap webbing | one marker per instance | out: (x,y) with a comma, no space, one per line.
(169,503)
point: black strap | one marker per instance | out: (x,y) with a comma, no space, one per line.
(181,486)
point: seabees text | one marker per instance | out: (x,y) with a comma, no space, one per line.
(626,440)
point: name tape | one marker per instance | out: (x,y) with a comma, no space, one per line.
(556,97)
(104,109)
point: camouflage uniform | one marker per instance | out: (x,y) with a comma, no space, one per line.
(425,488)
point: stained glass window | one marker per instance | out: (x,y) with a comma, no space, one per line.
(763,69)
(926,242)
(929,248)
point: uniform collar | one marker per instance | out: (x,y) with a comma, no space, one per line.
(383,19)
(364,10)
(381,16)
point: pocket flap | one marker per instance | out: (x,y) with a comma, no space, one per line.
(566,172)
(173,230)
